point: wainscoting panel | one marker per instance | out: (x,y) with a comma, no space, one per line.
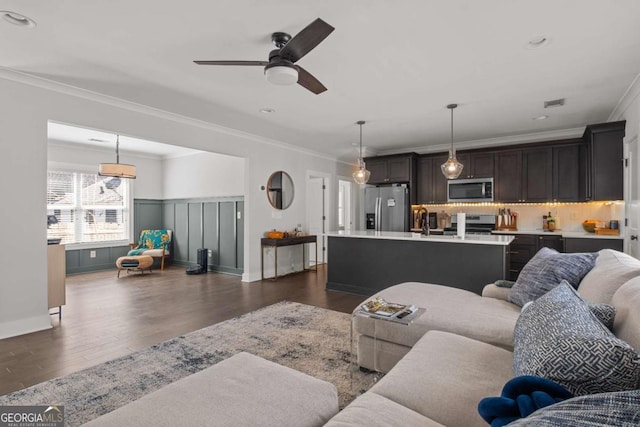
(181,233)
(195,229)
(80,260)
(210,233)
(147,216)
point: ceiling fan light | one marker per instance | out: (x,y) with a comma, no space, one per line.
(281,75)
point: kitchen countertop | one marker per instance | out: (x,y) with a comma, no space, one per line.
(570,234)
(397,235)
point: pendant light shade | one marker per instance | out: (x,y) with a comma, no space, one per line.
(117,169)
(361,176)
(452,168)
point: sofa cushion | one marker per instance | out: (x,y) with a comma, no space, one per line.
(545,270)
(447,309)
(602,409)
(626,324)
(612,269)
(444,377)
(557,337)
(373,410)
(243,390)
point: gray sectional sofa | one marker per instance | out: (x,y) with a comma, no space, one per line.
(461,350)
(438,368)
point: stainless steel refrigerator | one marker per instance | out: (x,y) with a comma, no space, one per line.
(387,208)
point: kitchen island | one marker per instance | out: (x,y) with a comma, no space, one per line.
(365,262)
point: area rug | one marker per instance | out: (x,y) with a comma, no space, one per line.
(310,339)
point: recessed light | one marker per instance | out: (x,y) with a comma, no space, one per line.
(267,110)
(538,42)
(17,19)
(543,117)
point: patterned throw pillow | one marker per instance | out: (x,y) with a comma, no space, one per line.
(621,409)
(558,338)
(545,270)
(605,313)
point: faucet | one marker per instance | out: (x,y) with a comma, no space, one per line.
(423,215)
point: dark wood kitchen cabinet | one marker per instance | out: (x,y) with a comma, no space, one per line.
(569,173)
(605,161)
(508,176)
(478,164)
(537,179)
(391,169)
(432,184)
(525,246)
(579,244)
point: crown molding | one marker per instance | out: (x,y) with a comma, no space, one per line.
(626,101)
(494,142)
(47,84)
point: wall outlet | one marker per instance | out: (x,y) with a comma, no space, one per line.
(210,253)
(92,254)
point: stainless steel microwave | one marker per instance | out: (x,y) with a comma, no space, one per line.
(470,190)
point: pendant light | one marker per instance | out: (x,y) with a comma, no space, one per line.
(117,169)
(361,176)
(452,168)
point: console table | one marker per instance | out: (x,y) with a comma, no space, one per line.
(287,241)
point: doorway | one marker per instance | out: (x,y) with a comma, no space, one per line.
(345,204)
(317,208)
(633,200)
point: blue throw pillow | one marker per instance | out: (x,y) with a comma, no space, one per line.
(520,397)
(545,270)
(558,337)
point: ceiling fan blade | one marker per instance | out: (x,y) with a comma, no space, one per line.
(307,81)
(303,42)
(261,63)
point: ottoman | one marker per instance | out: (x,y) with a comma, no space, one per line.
(137,262)
(244,390)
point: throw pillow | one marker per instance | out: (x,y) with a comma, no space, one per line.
(520,397)
(605,313)
(603,409)
(558,338)
(545,270)
(504,283)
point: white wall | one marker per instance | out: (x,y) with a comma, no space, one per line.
(202,175)
(149,179)
(27,105)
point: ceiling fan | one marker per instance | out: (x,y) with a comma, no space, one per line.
(281,68)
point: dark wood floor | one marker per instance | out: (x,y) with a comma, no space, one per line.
(106,317)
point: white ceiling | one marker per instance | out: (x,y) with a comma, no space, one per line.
(107,140)
(395,64)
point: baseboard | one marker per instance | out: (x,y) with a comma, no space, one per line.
(25,326)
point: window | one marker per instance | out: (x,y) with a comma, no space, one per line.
(87,207)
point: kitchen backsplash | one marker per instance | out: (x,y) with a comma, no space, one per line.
(569,216)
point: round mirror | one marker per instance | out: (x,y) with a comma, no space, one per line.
(280,190)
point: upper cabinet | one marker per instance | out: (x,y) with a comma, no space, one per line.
(508,176)
(391,169)
(478,164)
(541,174)
(569,173)
(432,184)
(605,161)
(571,170)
